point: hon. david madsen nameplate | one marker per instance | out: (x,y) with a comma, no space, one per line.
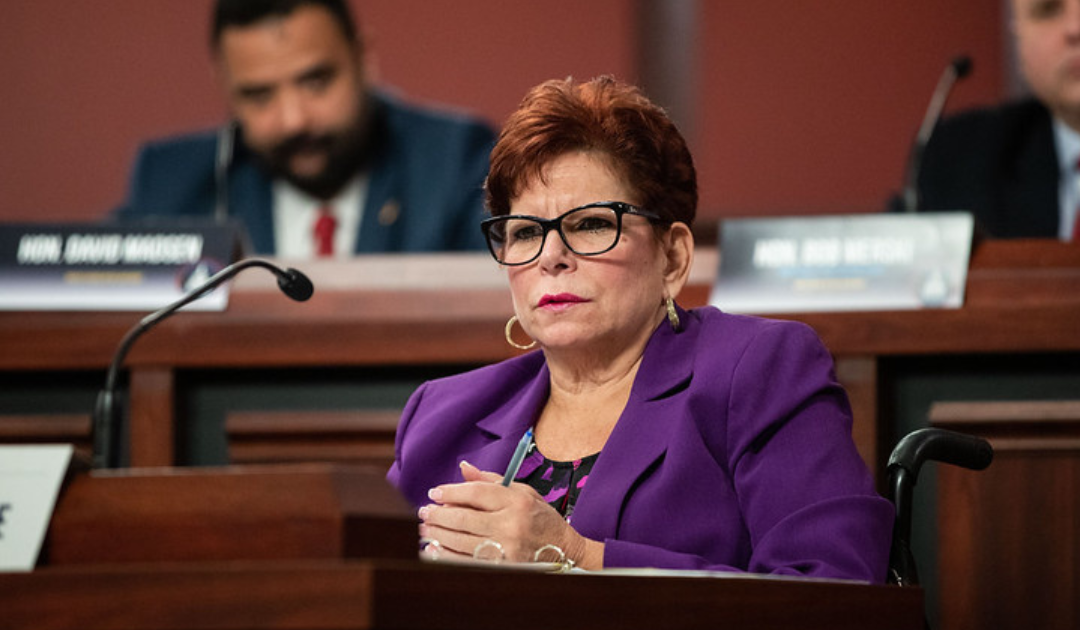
(95,267)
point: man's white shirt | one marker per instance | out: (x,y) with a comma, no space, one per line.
(295,213)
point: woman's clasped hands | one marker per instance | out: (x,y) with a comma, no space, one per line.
(480,518)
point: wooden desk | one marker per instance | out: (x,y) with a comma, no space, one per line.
(401,594)
(293,547)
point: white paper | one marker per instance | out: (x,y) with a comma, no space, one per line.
(30,478)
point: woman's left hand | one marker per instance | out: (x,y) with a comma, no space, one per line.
(464,515)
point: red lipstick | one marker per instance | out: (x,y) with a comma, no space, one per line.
(560,299)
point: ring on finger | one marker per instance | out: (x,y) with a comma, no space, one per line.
(489,550)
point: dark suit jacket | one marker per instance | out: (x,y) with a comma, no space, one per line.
(734,452)
(1000,164)
(430,166)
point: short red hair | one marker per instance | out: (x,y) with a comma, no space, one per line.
(605,116)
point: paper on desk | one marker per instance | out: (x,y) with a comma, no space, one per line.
(30,479)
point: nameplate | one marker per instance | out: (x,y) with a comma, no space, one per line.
(100,267)
(843,263)
(30,478)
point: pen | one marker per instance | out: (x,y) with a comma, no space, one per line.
(519,455)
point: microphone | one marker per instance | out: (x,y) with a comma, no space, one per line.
(223,157)
(292,283)
(957,69)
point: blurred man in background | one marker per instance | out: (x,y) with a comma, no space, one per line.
(316,162)
(1015,166)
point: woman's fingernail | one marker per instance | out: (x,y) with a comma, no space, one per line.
(424,512)
(435,494)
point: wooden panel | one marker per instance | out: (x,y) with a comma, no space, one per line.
(361,436)
(59,428)
(859,376)
(234,513)
(73,428)
(152,417)
(1009,536)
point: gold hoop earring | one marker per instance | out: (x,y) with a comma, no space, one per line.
(672,314)
(510,339)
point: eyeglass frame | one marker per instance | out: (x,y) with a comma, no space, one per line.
(620,208)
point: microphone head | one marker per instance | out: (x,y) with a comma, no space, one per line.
(962,66)
(295,285)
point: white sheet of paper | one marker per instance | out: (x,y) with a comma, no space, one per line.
(30,478)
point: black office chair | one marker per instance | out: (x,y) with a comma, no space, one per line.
(907,458)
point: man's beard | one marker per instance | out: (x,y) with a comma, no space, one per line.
(345,151)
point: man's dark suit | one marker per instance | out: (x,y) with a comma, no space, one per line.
(1001,165)
(425,191)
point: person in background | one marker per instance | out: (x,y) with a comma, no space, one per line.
(1015,165)
(316,161)
(662,437)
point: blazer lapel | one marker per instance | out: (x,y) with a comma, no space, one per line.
(503,428)
(251,201)
(640,438)
(380,227)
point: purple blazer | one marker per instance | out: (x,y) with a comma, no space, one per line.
(734,452)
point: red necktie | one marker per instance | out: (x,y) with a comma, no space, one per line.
(323,233)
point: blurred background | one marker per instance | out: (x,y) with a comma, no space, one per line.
(790,107)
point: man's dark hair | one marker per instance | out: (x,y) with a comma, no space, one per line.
(241,13)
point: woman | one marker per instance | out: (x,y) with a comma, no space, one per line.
(663,438)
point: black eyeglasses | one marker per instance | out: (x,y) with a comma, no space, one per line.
(588,230)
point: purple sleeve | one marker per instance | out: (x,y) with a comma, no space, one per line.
(412,491)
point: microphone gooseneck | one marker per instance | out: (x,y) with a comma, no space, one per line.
(957,69)
(223,157)
(292,283)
